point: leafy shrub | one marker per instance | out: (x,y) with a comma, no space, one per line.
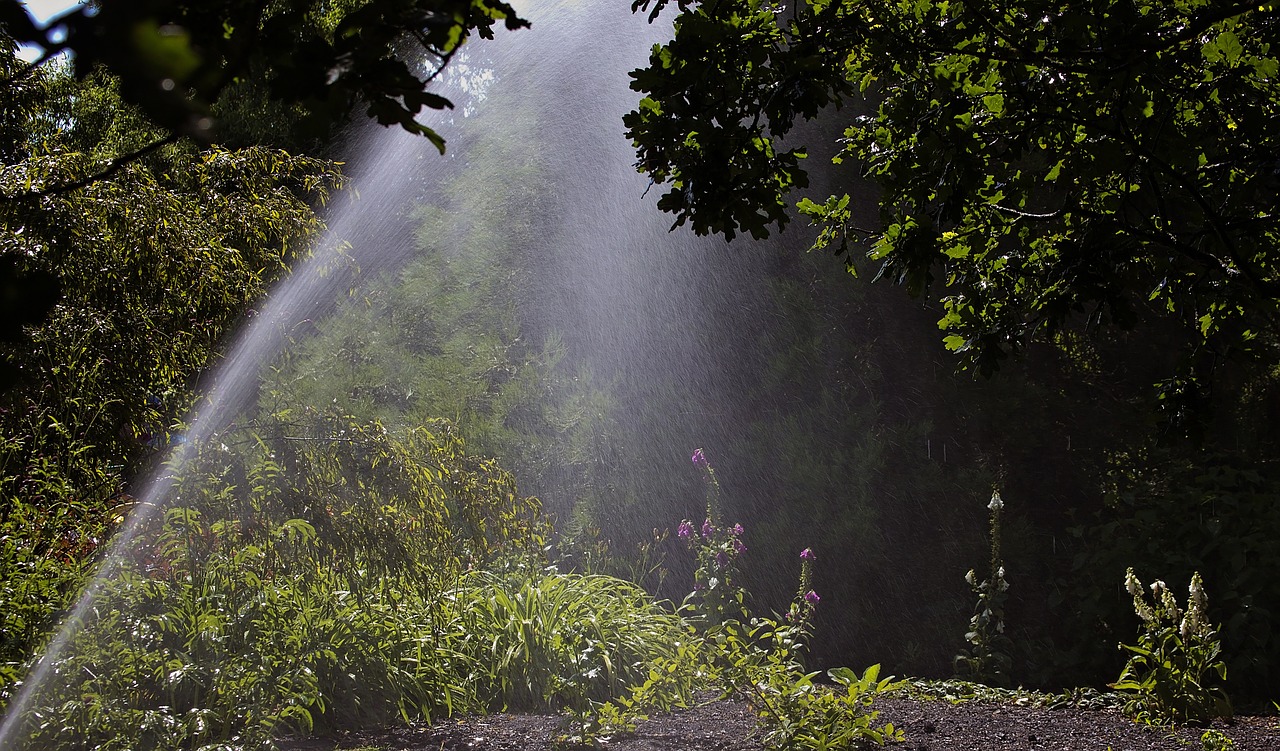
(1170,670)
(297,590)
(232,647)
(45,553)
(155,263)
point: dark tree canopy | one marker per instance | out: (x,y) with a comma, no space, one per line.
(1049,163)
(174,58)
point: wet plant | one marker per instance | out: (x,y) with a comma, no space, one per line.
(232,647)
(728,650)
(1174,674)
(549,640)
(285,596)
(987,660)
(1215,740)
(717,594)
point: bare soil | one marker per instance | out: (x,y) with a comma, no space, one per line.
(930,725)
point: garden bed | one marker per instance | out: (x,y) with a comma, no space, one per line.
(929,725)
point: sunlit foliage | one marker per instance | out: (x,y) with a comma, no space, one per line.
(296,580)
(1045,163)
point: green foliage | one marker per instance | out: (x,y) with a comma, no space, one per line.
(557,641)
(1211,513)
(409,505)
(956,691)
(1170,672)
(45,554)
(818,719)
(154,265)
(1215,740)
(243,645)
(298,585)
(988,659)
(716,147)
(759,662)
(457,332)
(1049,164)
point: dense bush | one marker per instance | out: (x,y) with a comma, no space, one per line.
(154,264)
(296,583)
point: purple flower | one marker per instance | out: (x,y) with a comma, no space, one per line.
(707,528)
(722,560)
(811,597)
(737,529)
(738,545)
(685,530)
(807,555)
(698,458)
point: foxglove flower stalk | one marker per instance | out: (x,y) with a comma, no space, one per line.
(1172,669)
(806,599)
(719,596)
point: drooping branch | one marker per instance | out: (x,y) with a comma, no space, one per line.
(111,169)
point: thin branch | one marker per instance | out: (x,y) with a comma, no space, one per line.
(115,166)
(1027,214)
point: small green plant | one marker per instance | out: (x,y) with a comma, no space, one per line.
(1214,740)
(1170,672)
(987,660)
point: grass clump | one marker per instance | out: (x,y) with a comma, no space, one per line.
(553,640)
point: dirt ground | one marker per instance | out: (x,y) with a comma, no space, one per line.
(731,726)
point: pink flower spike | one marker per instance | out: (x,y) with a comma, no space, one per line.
(807,555)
